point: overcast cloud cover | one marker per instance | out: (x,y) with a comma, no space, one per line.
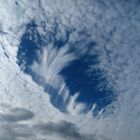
(27,112)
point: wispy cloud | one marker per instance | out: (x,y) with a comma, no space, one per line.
(59,52)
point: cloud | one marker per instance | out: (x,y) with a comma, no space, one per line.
(11,127)
(18,124)
(16,132)
(17,114)
(114,25)
(63,130)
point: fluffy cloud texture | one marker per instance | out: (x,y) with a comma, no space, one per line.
(26,111)
(18,123)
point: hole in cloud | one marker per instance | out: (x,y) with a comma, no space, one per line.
(30,43)
(80,78)
(64,62)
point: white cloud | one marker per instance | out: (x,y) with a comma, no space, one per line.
(114,25)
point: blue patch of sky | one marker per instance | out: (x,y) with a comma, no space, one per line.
(87,84)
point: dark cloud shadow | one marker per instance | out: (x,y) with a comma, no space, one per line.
(11,126)
(64,129)
(17,114)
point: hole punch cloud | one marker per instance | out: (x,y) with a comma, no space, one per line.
(60,60)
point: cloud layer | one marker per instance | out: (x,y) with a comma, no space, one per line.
(19,124)
(114,26)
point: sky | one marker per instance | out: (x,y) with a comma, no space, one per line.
(69,70)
